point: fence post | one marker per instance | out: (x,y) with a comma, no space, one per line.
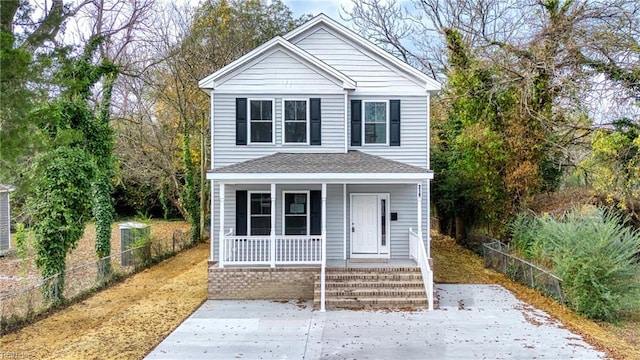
(532,282)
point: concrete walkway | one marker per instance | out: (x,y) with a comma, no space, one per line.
(473,322)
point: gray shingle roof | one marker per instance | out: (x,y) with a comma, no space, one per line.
(351,162)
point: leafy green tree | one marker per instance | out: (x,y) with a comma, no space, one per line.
(66,173)
(613,165)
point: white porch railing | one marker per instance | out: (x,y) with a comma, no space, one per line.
(419,254)
(257,250)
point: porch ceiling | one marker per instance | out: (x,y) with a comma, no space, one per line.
(353,166)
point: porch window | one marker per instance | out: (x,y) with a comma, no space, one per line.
(296,213)
(260,219)
(295,121)
(261,121)
(375,122)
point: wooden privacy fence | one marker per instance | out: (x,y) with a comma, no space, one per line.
(497,256)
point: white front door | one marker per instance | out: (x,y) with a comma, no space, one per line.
(369,227)
(364,224)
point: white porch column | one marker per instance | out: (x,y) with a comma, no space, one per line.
(344,221)
(221,236)
(273,225)
(324,247)
(419,198)
(212,228)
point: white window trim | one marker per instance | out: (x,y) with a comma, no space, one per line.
(284,204)
(273,121)
(250,214)
(308,110)
(386,128)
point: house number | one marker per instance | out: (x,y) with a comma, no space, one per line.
(419,190)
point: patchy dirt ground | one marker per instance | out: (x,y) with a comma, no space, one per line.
(454,264)
(16,274)
(125,321)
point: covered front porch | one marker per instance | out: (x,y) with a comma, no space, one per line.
(320,218)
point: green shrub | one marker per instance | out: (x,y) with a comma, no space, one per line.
(592,252)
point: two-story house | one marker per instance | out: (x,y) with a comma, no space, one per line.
(320,169)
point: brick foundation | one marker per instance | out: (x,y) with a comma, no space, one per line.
(280,283)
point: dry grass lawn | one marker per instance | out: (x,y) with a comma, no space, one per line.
(455,264)
(129,319)
(125,321)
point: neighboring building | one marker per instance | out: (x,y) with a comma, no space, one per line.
(320,167)
(5,219)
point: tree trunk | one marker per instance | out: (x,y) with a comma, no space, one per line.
(460,234)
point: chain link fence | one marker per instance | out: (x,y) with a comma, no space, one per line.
(78,280)
(498,256)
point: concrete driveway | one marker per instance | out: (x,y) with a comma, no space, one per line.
(473,322)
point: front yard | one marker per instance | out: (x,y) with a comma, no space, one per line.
(124,321)
(129,319)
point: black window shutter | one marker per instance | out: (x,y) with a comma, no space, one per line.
(241,122)
(315,228)
(241,212)
(316,121)
(356,122)
(394,123)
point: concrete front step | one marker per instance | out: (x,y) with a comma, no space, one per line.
(372,303)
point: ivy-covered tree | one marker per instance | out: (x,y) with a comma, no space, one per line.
(66,172)
(100,144)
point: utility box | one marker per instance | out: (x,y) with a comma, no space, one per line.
(5,219)
(130,232)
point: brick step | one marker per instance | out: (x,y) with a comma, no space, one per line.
(371,277)
(416,283)
(372,303)
(373,269)
(376,292)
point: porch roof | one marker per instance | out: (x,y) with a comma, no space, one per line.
(326,167)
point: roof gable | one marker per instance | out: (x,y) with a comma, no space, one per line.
(383,56)
(211,81)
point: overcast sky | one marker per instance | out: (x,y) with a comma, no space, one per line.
(331,8)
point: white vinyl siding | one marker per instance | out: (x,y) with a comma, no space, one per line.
(226,152)
(414,140)
(278,72)
(371,75)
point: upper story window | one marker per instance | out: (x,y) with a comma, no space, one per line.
(296,122)
(261,121)
(375,122)
(301,121)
